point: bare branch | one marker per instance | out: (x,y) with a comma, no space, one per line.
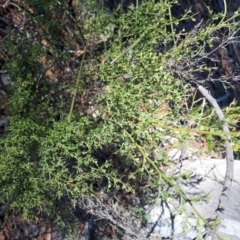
(229,153)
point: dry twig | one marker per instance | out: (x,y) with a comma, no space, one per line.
(229,154)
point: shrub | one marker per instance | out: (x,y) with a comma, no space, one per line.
(92,102)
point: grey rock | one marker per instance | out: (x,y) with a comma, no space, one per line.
(5,79)
(165,221)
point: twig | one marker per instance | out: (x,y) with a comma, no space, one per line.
(128,49)
(203,106)
(229,154)
(77,85)
(109,211)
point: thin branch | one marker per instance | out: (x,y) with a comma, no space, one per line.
(129,48)
(77,85)
(229,154)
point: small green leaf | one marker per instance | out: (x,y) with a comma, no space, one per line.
(218,220)
(200,222)
(224,238)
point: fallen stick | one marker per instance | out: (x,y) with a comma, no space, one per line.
(229,176)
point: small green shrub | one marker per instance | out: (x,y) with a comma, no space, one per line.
(54,151)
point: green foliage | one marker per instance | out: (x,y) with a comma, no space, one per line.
(42,158)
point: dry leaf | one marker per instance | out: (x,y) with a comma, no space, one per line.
(79,53)
(44,43)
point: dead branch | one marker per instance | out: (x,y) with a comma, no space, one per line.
(117,215)
(229,176)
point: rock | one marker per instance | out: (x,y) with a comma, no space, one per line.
(165,221)
(5,79)
(213,171)
(175,154)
